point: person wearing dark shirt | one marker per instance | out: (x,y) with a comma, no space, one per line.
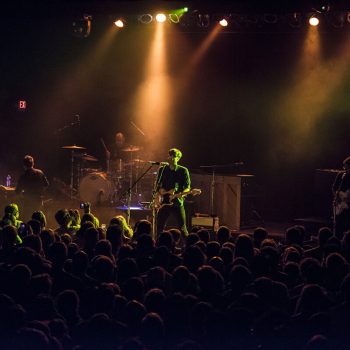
(172,183)
(341,192)
(31,185)
(115,155)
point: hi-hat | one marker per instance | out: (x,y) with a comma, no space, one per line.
(86,157)
(131,149)
(73,147)
(89,158)
(245,175)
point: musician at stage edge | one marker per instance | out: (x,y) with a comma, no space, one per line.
(341,192)
(172,183)
(31,185)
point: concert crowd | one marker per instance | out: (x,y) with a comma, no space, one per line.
(80,286)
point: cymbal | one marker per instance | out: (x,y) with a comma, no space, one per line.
(131,149)
(331,170)
(73,147)
(90,170)
(85,156)
(89,158)
(138,161)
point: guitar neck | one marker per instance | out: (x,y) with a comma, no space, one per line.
(181,194)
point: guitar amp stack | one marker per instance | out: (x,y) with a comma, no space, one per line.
(234,201)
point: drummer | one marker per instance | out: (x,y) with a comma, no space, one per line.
(115,155)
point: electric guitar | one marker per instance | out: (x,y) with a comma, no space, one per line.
(341,201)
(164,198)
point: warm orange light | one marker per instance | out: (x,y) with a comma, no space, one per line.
(152,106)
(223,22)
(160,17)
(314,21)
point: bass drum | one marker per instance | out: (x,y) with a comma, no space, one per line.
(95,188)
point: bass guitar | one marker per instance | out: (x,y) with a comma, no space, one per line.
(164,198)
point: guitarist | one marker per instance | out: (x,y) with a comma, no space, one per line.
(341,192)
(172,181)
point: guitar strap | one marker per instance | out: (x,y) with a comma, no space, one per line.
(336,190)
(341,182)
(159,178)
(336,193)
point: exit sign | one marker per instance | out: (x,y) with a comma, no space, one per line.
(22,105)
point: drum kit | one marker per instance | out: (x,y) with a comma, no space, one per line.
(113,187)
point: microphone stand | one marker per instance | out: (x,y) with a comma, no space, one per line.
(212,187)
(128,192)
(154,191)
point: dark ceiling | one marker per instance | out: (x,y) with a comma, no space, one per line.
(64,7)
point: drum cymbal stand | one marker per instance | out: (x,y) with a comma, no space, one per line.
(72,174)
(128,192)
(75,175)
(154,193)
(74,165)
(72,148)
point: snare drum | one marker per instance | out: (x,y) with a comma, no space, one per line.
(95,188)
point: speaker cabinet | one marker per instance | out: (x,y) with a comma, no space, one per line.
(232,198)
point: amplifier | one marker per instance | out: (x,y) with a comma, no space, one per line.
(206,222)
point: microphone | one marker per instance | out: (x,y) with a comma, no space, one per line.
(157,163)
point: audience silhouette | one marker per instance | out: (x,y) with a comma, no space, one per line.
(83,287)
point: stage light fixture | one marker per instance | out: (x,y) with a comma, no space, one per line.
(203,20)
(119,23)
(146,18)
(337,19)
(174,18)
(187,20)
(270,18)
(223,22)
(314,21)
(321,6)
(160,17)
(295,20)
(82,26)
